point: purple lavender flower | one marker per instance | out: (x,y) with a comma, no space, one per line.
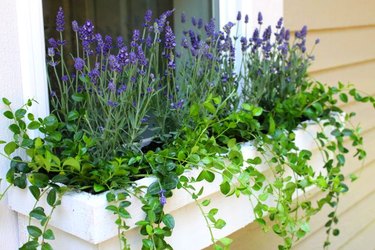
(94,73)
(228,27)
(200,23)
(107,44)
(148,41)
(183,17)
(79,63)
(170,38)
(112,104)
(194,21)
(123,56)
(51,52)
(317,41)
(111,86)
(136,35)
(287,35)
(302,33)
(149,90)
(267,33)
(243,41)
(113,63)
(260,18)
(210,28)
(121,89)
(60,23)
(120,42)
(239,16)
(133,57)
(75,26)
(86,32)
(162,19)
(279,23)
(163,199)
(148,16)
(64,78)
(100,43)
(246,18)
(53,43)
(141,56)
(184,43)
(53,94)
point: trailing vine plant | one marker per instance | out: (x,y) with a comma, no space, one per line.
(188,102)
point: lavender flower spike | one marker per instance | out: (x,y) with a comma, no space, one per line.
(246,18)
(148,16)
(163,199)
(51,52)
(75,26)
(170,38)
(60,23)
(239,16)
(183,17)
(260,18)
(79,63)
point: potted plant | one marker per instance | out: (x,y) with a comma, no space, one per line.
(143,130)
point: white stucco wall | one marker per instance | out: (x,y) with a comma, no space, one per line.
(10,86)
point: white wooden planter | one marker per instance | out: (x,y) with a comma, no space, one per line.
(81,222)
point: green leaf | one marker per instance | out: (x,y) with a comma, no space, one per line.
(168,220)
(78,97)
(35,191)
(20,113)
(148,244)
(98,188)
(263,197)
(219,224)
(206,175)
(30,245)
(33,125)
(6,101)
(20,181)
(194,110)
(48,235)
(257,111)
(51,197)
(38,213)
(209,107)
(110,197)
(170,182)
(50,121)
(226,241)
(272,125)
(39,180)
(336,232)
(10,147)
(205,203)
(73,115)
(8,114)
(34,231)
(47,246)
(154,188)
(15,129)
(73,163)
(225,188)
(112,208)
(305,227)
(343,97)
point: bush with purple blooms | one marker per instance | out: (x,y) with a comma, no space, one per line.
(159,107)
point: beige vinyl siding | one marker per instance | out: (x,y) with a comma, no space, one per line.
(346,53)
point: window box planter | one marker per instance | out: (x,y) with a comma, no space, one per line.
(82,222)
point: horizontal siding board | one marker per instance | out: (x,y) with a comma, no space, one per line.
(363,240)
(342,47)
(361,75)
(365,115)
(322,14)
(350,222)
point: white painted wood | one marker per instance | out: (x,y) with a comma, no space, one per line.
(32,52)
(82,222)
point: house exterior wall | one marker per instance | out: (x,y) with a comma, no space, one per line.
(346,53)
